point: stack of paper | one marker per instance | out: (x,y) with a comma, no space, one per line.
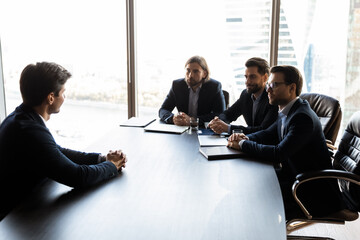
(214,147)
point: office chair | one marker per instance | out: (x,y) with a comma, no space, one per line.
(226,96)
(329,112)
(346,164)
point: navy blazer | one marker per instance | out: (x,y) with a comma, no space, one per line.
(302,149)
(29,154)
(210,104)
(266,114)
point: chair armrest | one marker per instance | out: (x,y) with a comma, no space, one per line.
(330,146)
(329,173)
(323,174)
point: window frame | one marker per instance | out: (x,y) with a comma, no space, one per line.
(2,90)
(132,81)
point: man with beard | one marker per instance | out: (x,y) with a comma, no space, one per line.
(296,143)
(253,103)
(196,95)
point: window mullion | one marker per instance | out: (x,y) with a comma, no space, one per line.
(274,33)
(131,56)
(2,90)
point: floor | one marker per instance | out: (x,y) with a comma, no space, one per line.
(349,231)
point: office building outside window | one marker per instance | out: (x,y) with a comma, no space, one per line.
(325,42)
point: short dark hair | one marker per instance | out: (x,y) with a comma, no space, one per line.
(262,64)
(38,80)
(291,74)
(202,62)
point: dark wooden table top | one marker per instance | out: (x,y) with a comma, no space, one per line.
(167,191)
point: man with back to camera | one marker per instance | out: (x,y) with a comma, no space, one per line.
(253,103)
(196,95)
(28,151)
(296,142)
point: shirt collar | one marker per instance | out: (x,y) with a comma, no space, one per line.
(255,99)
(197,89)
(191,88)
(42,119)
(287,108)
(260,94)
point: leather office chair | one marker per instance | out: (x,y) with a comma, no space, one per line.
(226,96)
(329,112)
(347,170)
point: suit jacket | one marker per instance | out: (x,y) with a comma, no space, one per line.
(210,104)
(29,154)
(266,114)
(302,149)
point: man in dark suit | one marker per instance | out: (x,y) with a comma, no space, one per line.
(296,142)
(253,103)
(28,151)
(196,95)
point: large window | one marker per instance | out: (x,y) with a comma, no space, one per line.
(321,38)
(226,33)
(85,36)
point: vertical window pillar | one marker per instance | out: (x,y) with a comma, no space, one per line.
(131,59)
(274,33)
(2,90)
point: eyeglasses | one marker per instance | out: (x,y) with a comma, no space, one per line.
(274,85)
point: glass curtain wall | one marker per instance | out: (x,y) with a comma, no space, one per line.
(351,92)
(226,33)
(88,37)
(321,38)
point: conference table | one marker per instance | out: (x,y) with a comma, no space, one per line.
(168,190)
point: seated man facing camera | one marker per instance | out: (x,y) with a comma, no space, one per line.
(28,151)
(295,142)
(196,95)
(253,103)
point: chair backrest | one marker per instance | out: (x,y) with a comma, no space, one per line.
(226,96)
(347,158)
(329,112)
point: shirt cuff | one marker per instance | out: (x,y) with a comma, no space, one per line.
(169,119)
(101,158)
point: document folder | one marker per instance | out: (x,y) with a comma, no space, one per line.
(220,152)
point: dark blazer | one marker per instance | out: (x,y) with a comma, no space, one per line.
(29,154)
(302,149)
(210,104)
(266,114)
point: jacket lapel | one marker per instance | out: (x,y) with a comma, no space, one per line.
(290,114)
(279,128)
(260,108)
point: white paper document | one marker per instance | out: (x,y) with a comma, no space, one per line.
(212,140)
(138,122)
(166,128)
